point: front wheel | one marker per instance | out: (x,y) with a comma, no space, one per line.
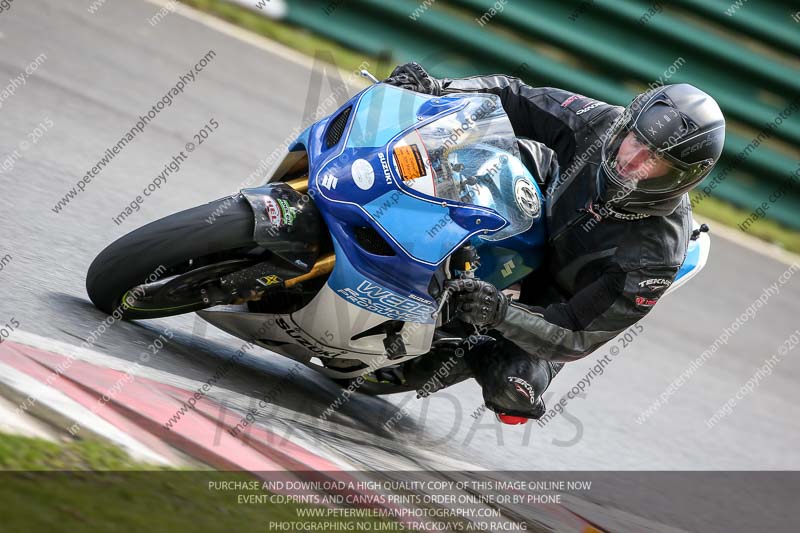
(169,266)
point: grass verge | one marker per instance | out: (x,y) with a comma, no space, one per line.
(25,453)
(93,486)
(764,229)
(290,35)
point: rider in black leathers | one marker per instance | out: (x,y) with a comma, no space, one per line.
(619,223)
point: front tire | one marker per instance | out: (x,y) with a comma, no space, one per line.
(168,247)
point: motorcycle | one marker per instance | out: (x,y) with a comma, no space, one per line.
(339,261)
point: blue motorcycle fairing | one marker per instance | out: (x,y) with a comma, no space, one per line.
(693,254)
(373,295)
(356,184)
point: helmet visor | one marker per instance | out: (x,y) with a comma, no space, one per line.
(638,166)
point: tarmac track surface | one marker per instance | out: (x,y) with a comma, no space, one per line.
(103,71)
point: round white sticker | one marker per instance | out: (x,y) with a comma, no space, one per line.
(363,174)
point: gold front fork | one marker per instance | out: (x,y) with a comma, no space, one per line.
(324,265)
(299,184)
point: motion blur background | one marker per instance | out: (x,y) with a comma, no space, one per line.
(744,53)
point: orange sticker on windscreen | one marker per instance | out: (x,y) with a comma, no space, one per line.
(410,161)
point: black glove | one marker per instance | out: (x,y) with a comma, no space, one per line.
(413,77)
(477,302)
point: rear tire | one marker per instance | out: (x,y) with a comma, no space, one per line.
(158,250)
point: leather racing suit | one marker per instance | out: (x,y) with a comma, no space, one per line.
(605,268)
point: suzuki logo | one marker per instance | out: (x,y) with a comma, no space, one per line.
(329,181)
(508,268)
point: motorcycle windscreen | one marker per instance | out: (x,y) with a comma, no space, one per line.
(383,111)
(471,156)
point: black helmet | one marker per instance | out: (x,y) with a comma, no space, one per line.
(664,143)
